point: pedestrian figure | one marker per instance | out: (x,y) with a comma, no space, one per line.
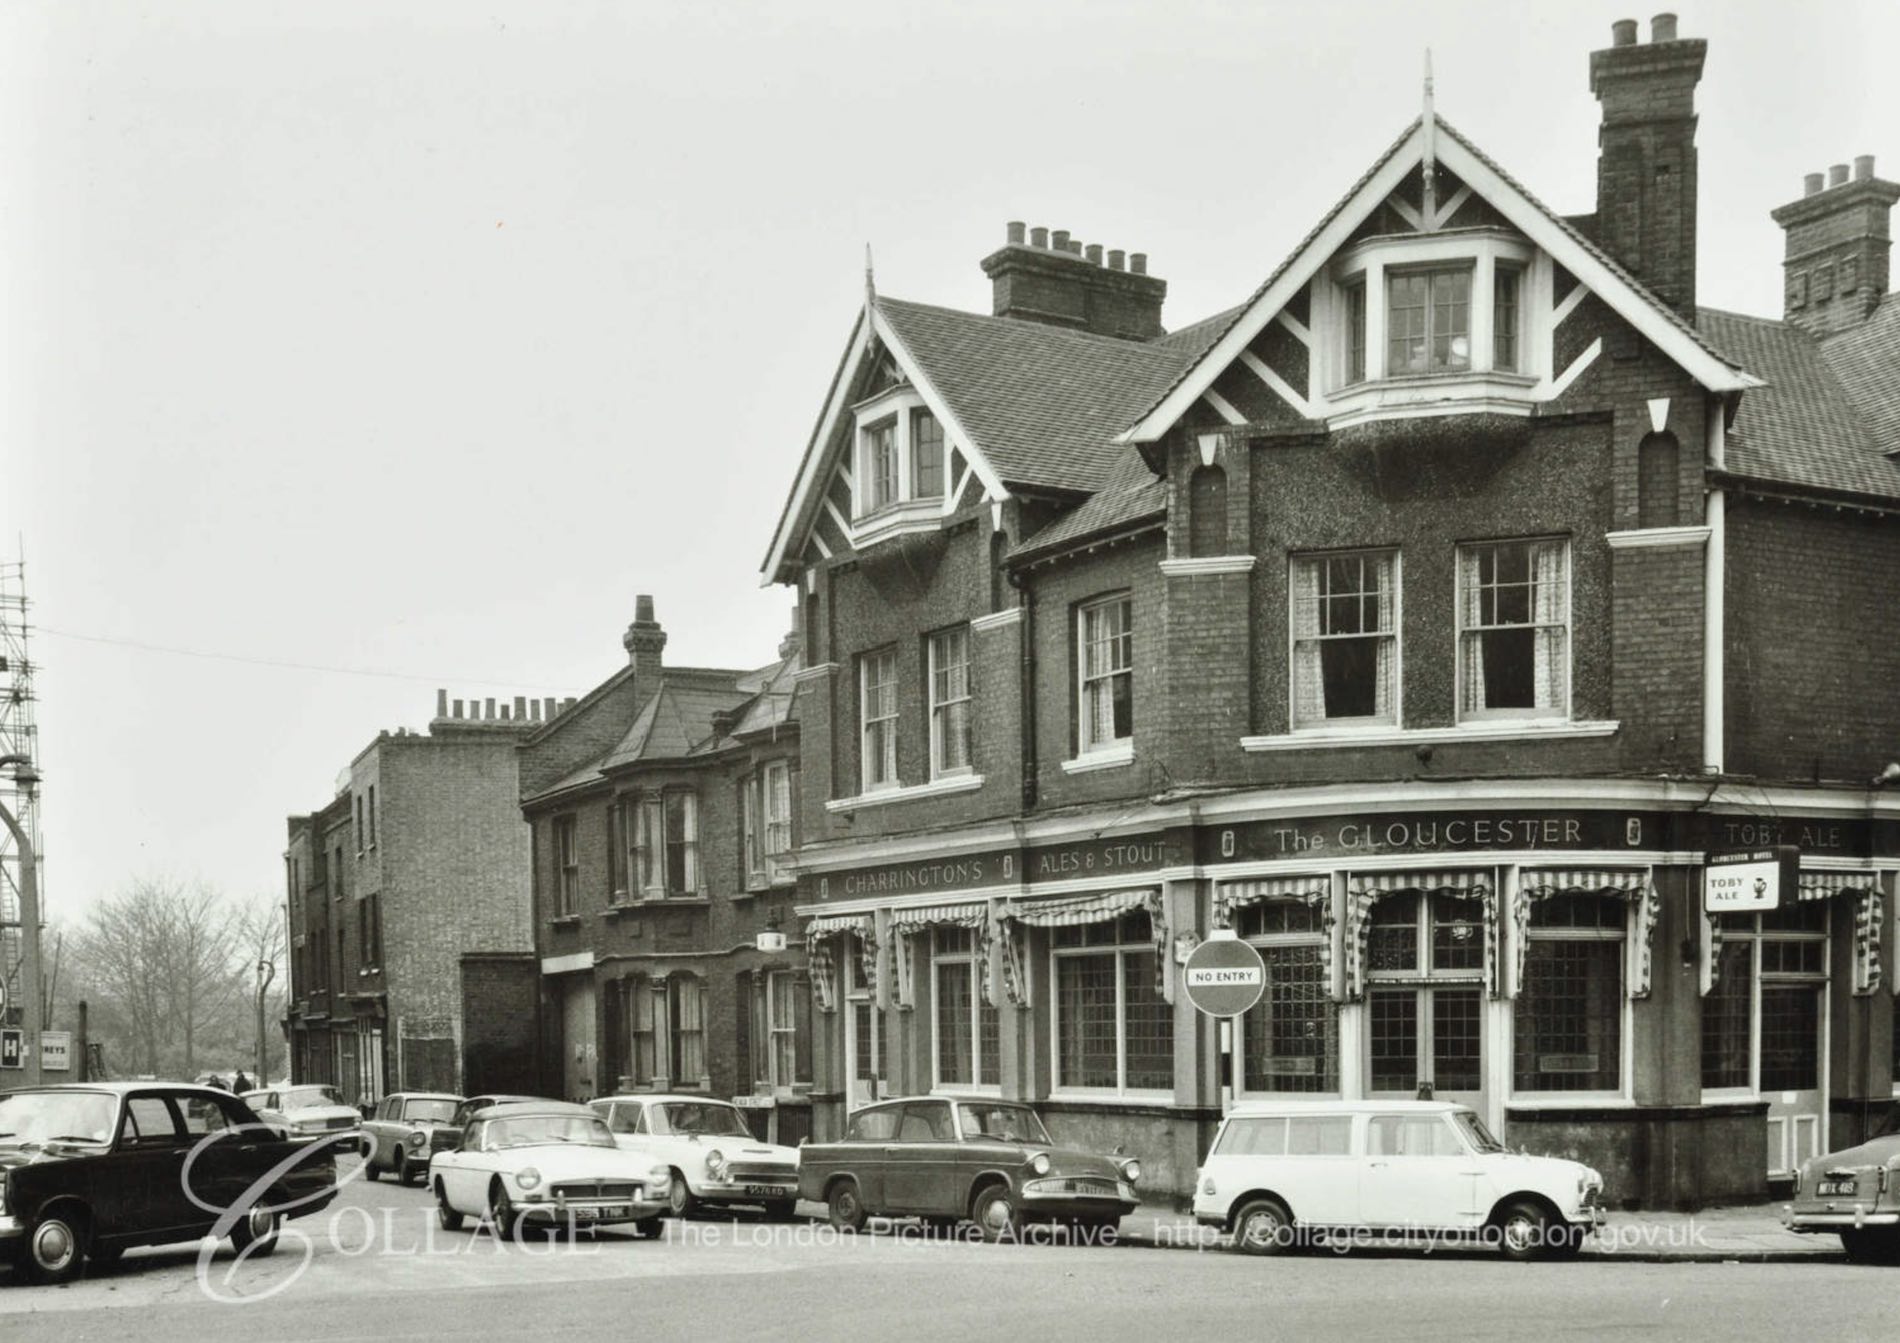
(240,1083)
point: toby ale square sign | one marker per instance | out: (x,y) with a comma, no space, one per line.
(1740,881)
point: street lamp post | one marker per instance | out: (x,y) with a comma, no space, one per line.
(31,990)
(266,971)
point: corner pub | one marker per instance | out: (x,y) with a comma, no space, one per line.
(1428,621)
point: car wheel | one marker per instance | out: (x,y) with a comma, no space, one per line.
(781,1210)
(446,1217)
(1525,1232)
(846,1206)
(369,1161)
(996,1215)
(406,1173)
(1263,1227)
(650,1228)
(679,1197)
(1866,1246)
(256,1231)
(55,1250)
(502,1217)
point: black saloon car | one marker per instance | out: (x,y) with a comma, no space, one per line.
(90,1170)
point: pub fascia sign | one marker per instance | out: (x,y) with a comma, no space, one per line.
(1741,881)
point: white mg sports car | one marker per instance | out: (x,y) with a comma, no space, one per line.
(547,1163)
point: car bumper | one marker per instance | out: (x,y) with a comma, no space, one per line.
(746,1191)
(1070,1203)
(11,1229)
(592,1212)
(1836,1219)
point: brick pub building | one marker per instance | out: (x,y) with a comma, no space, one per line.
(1426,619)
(411,957)
(661,806)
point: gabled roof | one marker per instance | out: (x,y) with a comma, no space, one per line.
(676,718)
(1830,407)
(1132,495)
(1571,249)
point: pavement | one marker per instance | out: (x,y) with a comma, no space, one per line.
(1747,1233)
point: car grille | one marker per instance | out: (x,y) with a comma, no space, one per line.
(1591,1197)
(340,1123)
(1080,1185)
(443,1139)
(754,1172)
(596,1189)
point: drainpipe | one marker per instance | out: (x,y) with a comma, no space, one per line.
(1026,602)
(1713,595)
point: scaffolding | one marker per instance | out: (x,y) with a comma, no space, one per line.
(19,735)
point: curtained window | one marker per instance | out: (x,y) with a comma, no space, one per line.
(1345,640)
(686,1021)
(1106,664)
(1514,629)
(877,705)
(949,658)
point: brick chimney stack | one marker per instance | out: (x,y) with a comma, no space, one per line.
(1057,280)
(1835,263)
(1646,156)
(644,641)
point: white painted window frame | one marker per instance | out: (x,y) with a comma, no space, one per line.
(935,645)
(1560,714)
(1346,725)
(887,779)
(1086,746)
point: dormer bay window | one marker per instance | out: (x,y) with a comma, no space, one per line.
(900,466)
(1427,324)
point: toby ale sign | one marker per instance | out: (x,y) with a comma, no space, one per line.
(1741,881)
(1224,976)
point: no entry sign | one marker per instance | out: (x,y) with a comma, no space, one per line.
(1224,977)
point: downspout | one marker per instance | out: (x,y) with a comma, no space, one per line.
(1025,602)
(1714,572)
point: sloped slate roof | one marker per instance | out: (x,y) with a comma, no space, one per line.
(1808,427)
(677,718)
(1042,402)
(1131,494)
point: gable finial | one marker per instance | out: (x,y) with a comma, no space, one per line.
(870,280)
(1429,120)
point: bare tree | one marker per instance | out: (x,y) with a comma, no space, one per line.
(259,937)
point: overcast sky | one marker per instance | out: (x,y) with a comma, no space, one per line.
(416,339)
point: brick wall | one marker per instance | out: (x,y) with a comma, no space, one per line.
(498,992)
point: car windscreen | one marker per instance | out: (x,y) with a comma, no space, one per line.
(1001,1123)
(35,1118)
(530,1130)
(1476,1133)
(428,1112)
(705,1120)
(298,1098)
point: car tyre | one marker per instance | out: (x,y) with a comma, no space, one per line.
(256,1231)
(650,1228)
(369,1161)
(1263,1227)
(1526,1232)
(1866,1246)
(996,1215)
(407,1173)
(446,1217)
(679,1196)
(55,1247)
(502,1217)
(846,1206)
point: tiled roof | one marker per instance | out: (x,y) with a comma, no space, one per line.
(676,718)
(1130,495)
(1816,423)
(1041,402)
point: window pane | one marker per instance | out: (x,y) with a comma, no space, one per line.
(1252,1137)
(988,1042)
(1290,1039)
(1790,1037)
(1392,938)
(1457,934)
(1356,333)
(1504,319)
(950,699)
(1394,1030)
(1725,1020)
(1455,1031)
(1451,319)
(955,1032)
(926,455)
(1150,1025)
(1085,1010)
(1319,1135)
(1569,1015)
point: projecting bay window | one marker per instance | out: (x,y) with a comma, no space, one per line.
(926,456)
(880,466)
(966,1048)
(667,845)
(1289,1042)
(1345,640)
(1428,321)
(621,849)
(768,824)
(1105,665)
(1567,1023)
(1514,629)
(877,711)
(1114,1033)
(902,467)
(1506,288)
(949,670)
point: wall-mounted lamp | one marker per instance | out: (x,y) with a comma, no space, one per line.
(1887,777)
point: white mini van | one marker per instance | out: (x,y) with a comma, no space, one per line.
(1387,1170)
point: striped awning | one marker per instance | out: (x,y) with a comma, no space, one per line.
(1630,884)
(1869,913)
(1466,883)
(1822,885)
(1366,889)
(966,915)
(830,925)
(1232,895)
(1082,909)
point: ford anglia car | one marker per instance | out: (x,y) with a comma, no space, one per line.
(546,1163)
(710,1150)
(401,1134)
(987,1160)
(90,1170)
(1400,1170)
(1854,1193)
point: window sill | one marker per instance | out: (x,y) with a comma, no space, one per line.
(1109,757)
(1490,729)
(663,902)
(565,921)
(902,518)
(957,783)
(1645,537)
(1097,1097)
(1418,394)
(1208,564)
(1575,1100)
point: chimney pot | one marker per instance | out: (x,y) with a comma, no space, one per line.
(547,708)
(1837,175)
(1863,167)
(441,703)
(1013,231)
(458,708)
(488,708)
(1038,237)
(1117,258)
(643,609)
(521,708)
(1060,240)
(567,703)
(1095,254)
(1138,262)
(1623,33)
(504,713)
(1811,184)
(1662,28)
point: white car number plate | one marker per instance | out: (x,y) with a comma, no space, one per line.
(766,1191)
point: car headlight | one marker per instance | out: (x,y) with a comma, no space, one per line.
(416,1139)
(1039,1163)
(1131,1170)
(527,1177)
(660,1177)
(716,1163)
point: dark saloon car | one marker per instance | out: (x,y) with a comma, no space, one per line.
(948,1158)
(89,1170)
(1854,1193)
(447,1137)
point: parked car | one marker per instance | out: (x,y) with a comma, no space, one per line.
(448,1138)
(1854,1193)
(400,1135)
(987,1160)
(1281,1170)
(709,1149)
(91,1169)
(546,1162)
(306,1110)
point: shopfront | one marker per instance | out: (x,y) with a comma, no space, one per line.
(1551,967)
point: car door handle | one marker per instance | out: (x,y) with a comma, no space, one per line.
(1377,1165)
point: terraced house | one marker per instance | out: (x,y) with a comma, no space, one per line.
(1427,619)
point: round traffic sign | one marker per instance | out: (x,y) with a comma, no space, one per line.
(1224,976)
